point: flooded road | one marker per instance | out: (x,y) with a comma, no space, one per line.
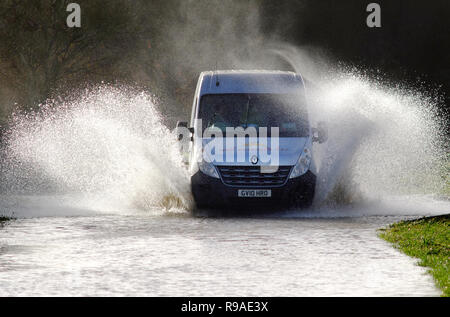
(177,254)
(83,177)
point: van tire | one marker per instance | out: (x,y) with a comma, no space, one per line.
(202,205)
(303,198)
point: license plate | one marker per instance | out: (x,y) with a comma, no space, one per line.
(254,193)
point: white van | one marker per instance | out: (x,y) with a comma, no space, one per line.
(249,141)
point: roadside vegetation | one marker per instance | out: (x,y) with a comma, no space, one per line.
(163,46)
(3,220)
(427,239)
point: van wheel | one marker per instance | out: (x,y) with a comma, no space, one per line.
(303,198)
(202,205)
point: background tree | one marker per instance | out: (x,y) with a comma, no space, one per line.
(39,52)
(162,45)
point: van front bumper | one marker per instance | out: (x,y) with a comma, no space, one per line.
(211,192)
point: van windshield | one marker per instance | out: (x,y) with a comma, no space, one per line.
(287,112)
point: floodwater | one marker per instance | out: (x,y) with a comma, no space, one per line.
(178,254)
(103,203)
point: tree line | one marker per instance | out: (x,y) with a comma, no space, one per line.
(162,45)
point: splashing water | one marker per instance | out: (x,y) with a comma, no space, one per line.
(106,150)
(383,141)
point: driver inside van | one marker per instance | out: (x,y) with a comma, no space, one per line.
(226,115)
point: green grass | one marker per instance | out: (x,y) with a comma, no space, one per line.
(427,239)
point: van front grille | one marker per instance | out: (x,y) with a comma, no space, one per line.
(251,176)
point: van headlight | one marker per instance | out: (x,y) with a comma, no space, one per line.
(303,164)
(208,169)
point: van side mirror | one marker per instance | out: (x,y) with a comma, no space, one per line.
(192,130)
(180,126)
(320,134)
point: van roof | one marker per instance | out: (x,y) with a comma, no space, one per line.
(250,81)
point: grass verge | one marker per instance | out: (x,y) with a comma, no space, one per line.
(427,239)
